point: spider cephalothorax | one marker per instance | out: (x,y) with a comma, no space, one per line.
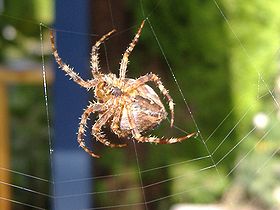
(129,106)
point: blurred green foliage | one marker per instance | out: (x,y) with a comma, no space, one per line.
(253,55)
(253,66)
(30,143)
(19,27)
(20,49)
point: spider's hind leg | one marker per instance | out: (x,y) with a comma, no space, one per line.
(96,129)
(115,125)
(157,140)
(137,135)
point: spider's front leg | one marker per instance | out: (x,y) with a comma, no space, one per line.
(154,78)
(94,61)
(124,60)
(69,71)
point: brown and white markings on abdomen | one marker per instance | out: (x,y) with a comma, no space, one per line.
(147,110)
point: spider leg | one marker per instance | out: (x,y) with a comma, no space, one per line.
(83,125)
(69,71)
(116,120)
(124,60)
(156,140)
(96,129)
(94,54)
(154,78)
(136,134)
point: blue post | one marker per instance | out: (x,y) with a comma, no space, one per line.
(70,162)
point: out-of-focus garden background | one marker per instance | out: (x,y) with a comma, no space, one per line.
(224,57)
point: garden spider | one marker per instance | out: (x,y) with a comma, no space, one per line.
(128,106)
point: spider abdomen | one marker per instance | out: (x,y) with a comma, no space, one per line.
(146,109)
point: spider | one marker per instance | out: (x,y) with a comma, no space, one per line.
(128,106)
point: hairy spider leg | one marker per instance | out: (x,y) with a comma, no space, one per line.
(69,71)
(116,120)
(83,125)
(99,123)
(156,140)
(94,54)
(124,60)
(150,77)
(152,139)
(135,132)
(96,128)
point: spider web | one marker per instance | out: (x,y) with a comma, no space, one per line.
(201,164)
